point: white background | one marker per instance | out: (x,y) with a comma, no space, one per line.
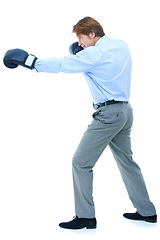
(43,117)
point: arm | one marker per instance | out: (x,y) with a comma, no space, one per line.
(15,57)
(82,62)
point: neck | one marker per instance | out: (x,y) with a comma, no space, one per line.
(96,39)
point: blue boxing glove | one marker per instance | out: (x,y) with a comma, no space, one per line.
(15,57)
(74,48)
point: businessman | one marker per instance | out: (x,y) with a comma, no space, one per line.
(106,65)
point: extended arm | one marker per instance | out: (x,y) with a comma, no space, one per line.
(80,61)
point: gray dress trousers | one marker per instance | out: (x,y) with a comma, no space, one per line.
(111,126)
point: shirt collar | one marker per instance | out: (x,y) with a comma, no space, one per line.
(102,40)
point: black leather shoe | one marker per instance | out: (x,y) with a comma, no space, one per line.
(137,216)
(79,223)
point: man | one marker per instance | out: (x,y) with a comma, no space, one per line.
(106,65)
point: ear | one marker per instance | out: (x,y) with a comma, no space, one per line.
(92,35)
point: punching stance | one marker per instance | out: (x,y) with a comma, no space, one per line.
(106,65)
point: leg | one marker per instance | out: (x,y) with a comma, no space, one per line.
(131,173)
(85,157)
(98,135)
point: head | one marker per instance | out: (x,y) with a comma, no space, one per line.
(88,31)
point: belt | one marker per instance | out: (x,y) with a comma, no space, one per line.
(98,105)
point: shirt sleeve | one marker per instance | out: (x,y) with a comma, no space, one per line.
(83,61)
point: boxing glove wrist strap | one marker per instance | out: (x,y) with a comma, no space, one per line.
(30,61)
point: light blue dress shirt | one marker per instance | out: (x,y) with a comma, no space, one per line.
(106,67)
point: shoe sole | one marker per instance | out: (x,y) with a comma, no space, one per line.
(151,221)
(143,220)
(91,227)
